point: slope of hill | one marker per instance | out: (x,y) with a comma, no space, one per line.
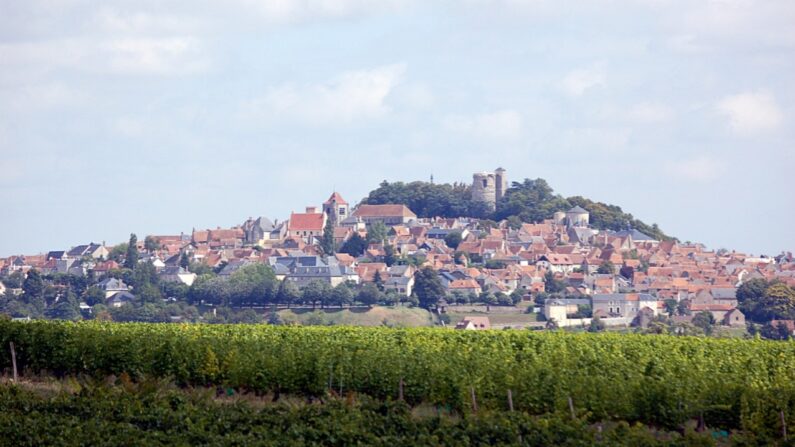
(527,201)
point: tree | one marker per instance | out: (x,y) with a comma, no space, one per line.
(606,268)
(93,296)
(369,295)
(453,239)
(750,295)
(778,332)
(779,302)
(288,293)
(627,272)
(389,255)
(131,258)
(118,252)
(516,297)
(670,306)
(315,292)
(327,243)
(378,281)
(354,246)
(704,320)
(342,295)
(597,325)
(33,287)
(65,309)
(553,285)
(377,233)
(428,287)
(151,244)
(184,262)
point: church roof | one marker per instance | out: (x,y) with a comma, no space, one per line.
(336,197)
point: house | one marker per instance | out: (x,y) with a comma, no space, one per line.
(119,299)
(465,286)
(111,286)
(306,225)
(255,230)
(389,214)
(400,284)
(556,263)
(734,318)
(92,250)
(789,324)
(177,274)
(626,305)
(474,324)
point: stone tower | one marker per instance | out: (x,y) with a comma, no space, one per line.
(489,187)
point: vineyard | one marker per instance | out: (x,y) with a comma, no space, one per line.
(729,384)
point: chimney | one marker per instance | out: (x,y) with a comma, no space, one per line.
(311,210)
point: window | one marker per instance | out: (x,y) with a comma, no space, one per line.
(485,183)
(342,210)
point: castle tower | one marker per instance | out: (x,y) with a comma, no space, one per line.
(501,183)
(484,188)
(489,187)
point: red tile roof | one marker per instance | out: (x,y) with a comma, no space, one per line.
(336,197)
(383,211)
(306,222)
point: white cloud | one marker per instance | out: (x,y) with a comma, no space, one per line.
(173,55)
(751,113)
(649,112)
(350,97)
(700,169)
(579,81)
(503,124)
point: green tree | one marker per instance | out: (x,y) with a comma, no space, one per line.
(552,284)
(670,306)
(377,233)
(704,320)
(151,243)
(33,286)
(93,296)
(389,255)
(184,262)
(342,295)
(315,292)
(779,302)
(131,258)
(453,239)
(606,268)
(287,293)
(66,309)
(369,295)
(378,281)
(118,252)
(428,287)
(597,325)
(327,243)
(354,246)
(750,296)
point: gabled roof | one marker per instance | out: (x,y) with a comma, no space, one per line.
(306,222)
(335,197)
(389,210)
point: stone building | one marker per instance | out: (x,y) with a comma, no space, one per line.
(489,187)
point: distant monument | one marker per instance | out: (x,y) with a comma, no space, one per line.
(489,187)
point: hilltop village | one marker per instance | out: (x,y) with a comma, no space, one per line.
(561,271)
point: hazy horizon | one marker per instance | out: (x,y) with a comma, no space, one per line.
(136,116)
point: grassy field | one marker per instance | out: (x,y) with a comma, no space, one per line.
(376,316)
(497,319)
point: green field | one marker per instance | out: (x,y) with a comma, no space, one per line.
(743,387)
(375,316)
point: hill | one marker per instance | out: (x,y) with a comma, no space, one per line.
(527,201)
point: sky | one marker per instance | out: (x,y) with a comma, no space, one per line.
(159,117)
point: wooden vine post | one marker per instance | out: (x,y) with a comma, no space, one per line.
(13,361)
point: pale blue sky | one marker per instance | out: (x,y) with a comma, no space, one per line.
(156,117)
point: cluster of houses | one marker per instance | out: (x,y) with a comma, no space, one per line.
(488,259)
